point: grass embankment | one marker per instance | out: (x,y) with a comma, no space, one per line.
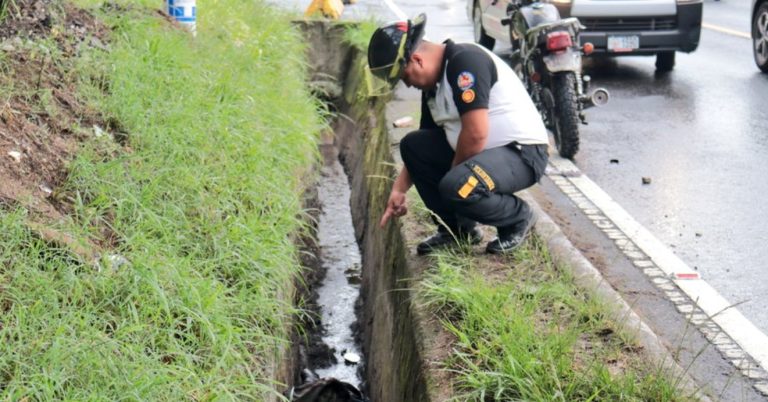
(203,201)
(524,331)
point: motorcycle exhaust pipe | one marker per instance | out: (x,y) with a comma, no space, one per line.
(599,97)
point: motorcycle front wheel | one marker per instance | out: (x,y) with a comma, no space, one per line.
(566,114)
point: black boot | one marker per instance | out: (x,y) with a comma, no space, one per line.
(443,238)
(511,237)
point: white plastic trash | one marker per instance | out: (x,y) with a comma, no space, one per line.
(185,13)
(406,121)
(351,358)
(16,155)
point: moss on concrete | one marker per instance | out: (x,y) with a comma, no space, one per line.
(397,339)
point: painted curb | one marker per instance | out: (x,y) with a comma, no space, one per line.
(588,277)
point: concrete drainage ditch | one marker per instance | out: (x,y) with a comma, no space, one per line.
(340,287)
(392,366)
(401,346)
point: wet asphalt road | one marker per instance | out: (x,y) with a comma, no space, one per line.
(731,14)
(700,133)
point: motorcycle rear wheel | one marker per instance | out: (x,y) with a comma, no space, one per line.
(566,114)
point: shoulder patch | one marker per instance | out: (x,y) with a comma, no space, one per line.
(466,80)
(468,96)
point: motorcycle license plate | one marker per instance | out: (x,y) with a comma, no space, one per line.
(625,43)
(566,61)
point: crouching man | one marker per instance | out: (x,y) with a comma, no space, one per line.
(480,138)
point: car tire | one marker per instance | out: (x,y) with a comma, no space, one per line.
(477,24)
(760,37)
(665,61)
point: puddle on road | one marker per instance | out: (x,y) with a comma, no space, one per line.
(340,258)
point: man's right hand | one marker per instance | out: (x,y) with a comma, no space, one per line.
(395,207)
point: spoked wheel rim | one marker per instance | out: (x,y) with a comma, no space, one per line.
(761,37)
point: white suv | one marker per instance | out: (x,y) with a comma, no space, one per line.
(614,27)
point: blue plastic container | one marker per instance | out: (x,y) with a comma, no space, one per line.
(185,12)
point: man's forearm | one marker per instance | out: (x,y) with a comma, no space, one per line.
(468,146)
(473,135)
(403,181)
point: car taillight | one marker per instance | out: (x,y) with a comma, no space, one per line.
(558,41)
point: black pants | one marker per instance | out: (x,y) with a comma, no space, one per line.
(481,189)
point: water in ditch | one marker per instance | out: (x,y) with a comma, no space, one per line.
(340,258)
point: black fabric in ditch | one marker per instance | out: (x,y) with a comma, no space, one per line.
(325,390)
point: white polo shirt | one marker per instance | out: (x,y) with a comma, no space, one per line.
(475,78)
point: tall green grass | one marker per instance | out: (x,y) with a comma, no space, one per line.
(524,332)
(204,202)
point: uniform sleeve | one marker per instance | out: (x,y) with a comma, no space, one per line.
(471,74)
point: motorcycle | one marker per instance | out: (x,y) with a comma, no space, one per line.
(547,57)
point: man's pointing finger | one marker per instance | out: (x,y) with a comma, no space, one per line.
(385,217)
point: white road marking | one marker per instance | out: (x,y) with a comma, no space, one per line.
(668,272)
(726,30)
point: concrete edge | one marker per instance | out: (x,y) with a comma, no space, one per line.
(588,277)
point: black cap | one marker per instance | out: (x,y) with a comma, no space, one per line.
(391,47)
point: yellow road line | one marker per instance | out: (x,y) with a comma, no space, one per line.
(726,30)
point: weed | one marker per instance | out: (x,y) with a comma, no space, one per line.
(204,203)
(526,332)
